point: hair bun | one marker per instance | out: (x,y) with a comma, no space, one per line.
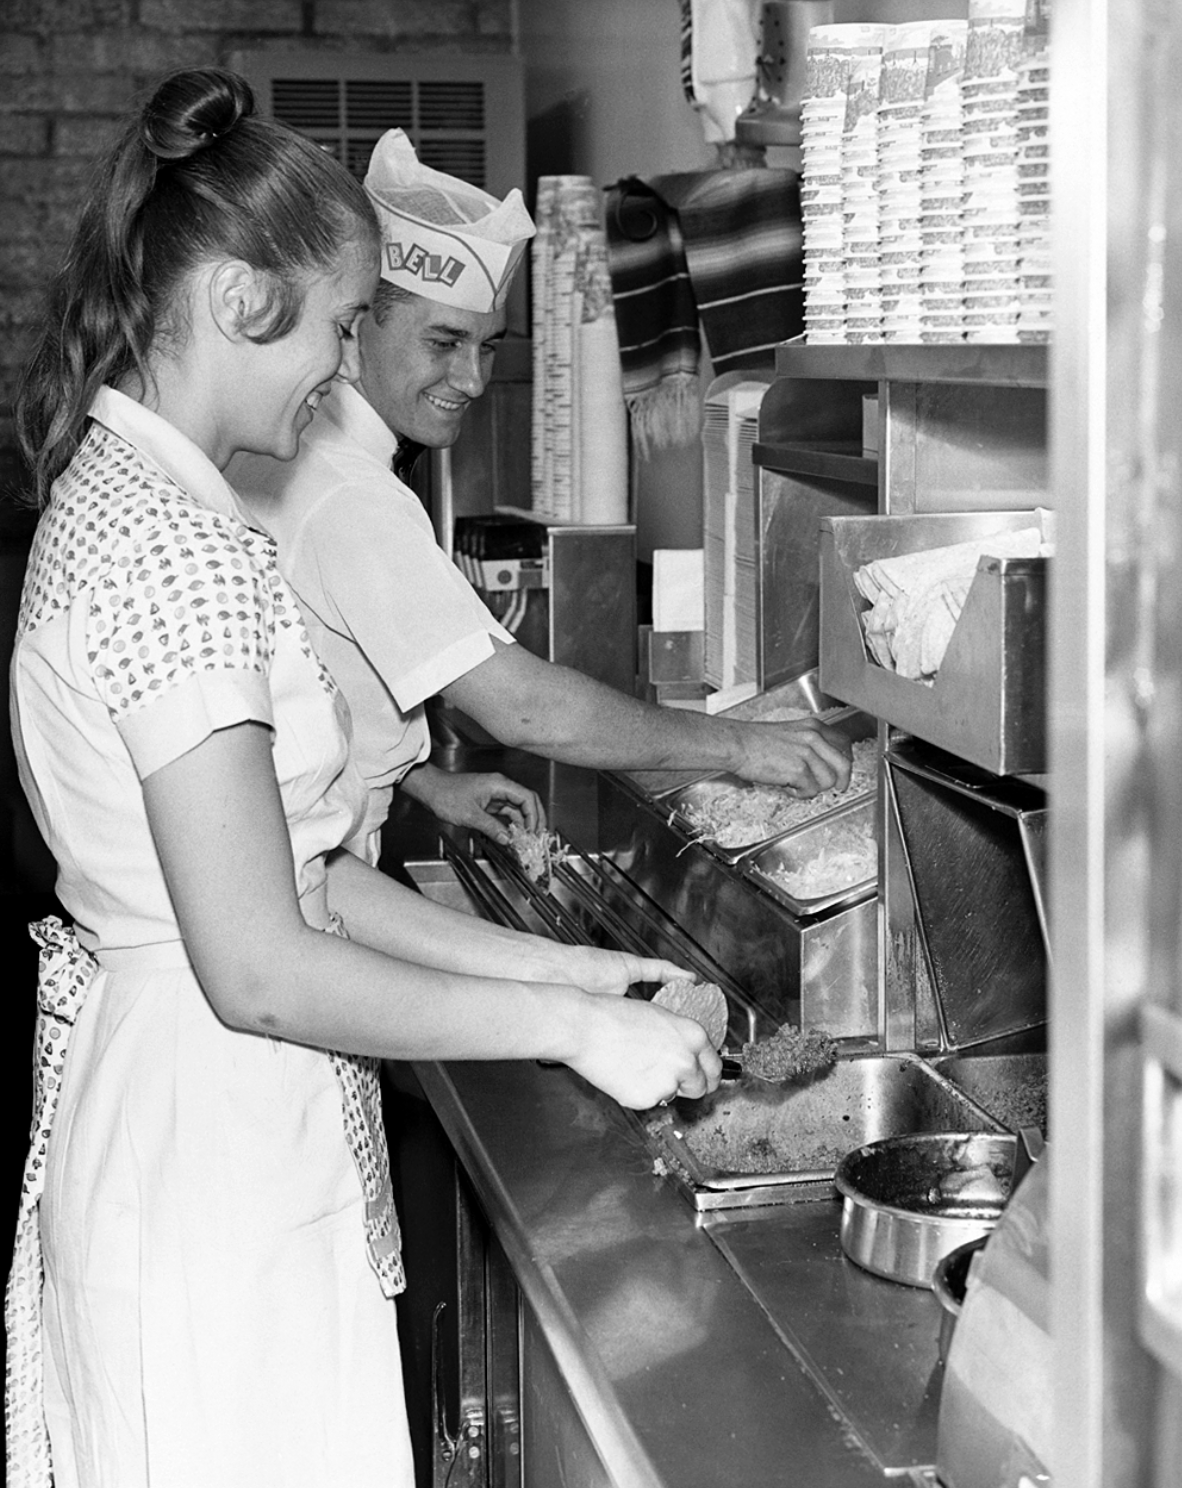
(190,110)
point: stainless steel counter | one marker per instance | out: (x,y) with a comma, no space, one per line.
(693,1349)
(699,1350)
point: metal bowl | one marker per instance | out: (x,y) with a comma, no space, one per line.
(907,1201)
(950,1281)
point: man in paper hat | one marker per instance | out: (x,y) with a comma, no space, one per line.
(449,255)
(391,617)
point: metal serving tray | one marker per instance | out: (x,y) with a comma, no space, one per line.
(681,803)
(802,845)
(821,969)
(805,1128)
(1011,1087)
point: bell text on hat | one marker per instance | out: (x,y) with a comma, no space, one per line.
(431,268)
(444,238)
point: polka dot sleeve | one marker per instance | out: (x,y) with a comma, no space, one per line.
(179,635)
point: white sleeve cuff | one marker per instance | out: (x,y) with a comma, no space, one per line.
(185,715)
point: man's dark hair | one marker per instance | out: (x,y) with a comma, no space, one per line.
(385,297)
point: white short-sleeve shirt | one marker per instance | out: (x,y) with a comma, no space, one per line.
(391,616)
(154,614)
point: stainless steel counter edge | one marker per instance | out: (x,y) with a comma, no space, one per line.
(679,1377)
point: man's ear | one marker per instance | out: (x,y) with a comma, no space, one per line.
(236,295)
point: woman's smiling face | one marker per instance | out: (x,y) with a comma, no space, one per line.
(288,377)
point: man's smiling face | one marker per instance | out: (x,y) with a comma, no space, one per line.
(423,362)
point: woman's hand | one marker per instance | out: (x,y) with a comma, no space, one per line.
(642,1055)
(612,972)
(486,802)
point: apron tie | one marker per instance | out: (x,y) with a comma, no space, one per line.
(365,1133)
(65,974)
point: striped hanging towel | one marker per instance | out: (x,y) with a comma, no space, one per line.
(744,249)
(713,254)
(656,317)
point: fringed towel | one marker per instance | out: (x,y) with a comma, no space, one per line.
(744,248)
(720,252)
(656,316)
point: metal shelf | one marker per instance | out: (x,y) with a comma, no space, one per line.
(1013,366)
(832,461)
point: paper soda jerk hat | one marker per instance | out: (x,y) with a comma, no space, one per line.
(441,237)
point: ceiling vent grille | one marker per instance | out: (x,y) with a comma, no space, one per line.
(464,115)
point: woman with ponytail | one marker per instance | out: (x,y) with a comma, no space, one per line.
(207,1252)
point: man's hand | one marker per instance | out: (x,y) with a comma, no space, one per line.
(528,703)
(486,802)
(806,756)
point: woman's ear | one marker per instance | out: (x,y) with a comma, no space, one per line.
(235,295)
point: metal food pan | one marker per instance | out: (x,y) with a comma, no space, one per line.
(855,725)
(804,844)
(825,968)
(751,1143)
(802,694)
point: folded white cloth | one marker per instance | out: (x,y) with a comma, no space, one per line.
(916,598)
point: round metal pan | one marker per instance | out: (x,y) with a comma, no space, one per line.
(950,1281)
(907,1201)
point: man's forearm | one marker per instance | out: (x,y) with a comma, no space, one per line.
(419,783)
(528,703)
(532,704)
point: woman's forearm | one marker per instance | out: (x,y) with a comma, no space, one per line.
(484,992)
(388,917)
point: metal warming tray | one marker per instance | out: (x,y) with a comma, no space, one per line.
(819,970)
(796,1134)
(805,846)
(987,703)
(683,804)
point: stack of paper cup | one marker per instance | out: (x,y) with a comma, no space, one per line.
(991,213)
(580,441)
(822,115)
(900,113)
(859,188)
(1034,199)
(551,350)
(941,187)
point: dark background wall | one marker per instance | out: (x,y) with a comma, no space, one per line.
(69,69)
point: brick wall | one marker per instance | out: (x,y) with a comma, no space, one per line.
(70,69)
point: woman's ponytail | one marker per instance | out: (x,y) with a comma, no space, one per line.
(192,110)
(196,176)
